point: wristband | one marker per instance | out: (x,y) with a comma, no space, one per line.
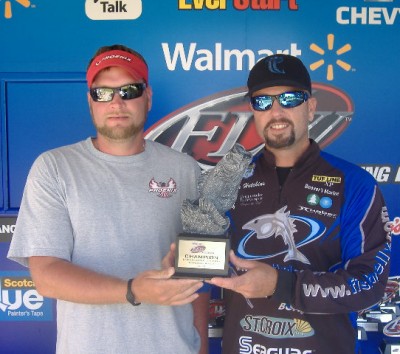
(129,294)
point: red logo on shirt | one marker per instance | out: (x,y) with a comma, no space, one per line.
(162,189)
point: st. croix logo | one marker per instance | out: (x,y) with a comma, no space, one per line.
(273,327)
(208,128)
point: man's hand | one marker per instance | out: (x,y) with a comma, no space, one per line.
(157,287)
(60,279)
(258,280)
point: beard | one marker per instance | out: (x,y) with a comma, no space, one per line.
(120,133)
(279,141)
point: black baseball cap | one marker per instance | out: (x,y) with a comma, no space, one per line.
(278,70)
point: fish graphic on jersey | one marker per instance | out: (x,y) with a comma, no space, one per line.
(278,224)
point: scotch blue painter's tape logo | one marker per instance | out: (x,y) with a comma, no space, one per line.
(113,10)
(19,300)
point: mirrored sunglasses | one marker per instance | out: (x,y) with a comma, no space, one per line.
(127,92)
(288,99)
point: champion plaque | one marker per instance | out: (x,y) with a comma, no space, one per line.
(202,249)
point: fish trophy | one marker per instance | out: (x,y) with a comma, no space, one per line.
(202,249)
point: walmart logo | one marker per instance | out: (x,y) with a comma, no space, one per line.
(330,49)
(8,7)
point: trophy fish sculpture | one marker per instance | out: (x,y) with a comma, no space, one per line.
(202,250)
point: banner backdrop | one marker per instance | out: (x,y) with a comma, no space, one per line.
(199,53)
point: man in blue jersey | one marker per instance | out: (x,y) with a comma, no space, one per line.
(309,231)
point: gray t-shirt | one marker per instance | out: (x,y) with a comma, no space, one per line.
(115,215)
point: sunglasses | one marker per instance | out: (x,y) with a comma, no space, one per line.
(288,99)
(127,92)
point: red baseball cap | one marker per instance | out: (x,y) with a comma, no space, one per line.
(128,61)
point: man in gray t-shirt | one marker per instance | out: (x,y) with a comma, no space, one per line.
(97,220)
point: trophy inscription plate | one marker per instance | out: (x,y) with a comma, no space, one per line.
(201,257)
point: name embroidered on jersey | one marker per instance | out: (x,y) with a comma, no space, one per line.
(162,189)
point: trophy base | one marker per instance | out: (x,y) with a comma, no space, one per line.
(201,256)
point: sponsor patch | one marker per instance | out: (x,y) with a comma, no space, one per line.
(248,347)
(251,199)
(273,327)
(326,179)
(314,200)
(280,224)
(317,212)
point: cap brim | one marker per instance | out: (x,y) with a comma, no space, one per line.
(273,83)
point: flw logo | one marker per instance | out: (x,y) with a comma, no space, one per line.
(207,129)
